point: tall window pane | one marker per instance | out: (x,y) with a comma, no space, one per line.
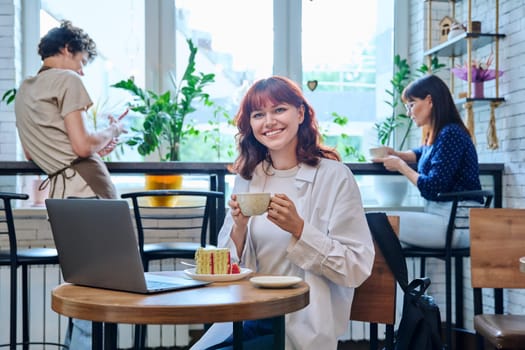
(235,41)
(347,52)
(118,31)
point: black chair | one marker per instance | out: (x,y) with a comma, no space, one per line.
(193,211)
(458,219)
(15,258)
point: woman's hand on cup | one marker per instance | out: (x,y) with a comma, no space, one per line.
(283,213)
(393,163)
(380,153)
(235,210)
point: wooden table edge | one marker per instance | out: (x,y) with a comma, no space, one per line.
(296,299)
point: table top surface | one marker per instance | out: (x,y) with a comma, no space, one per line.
(216,302)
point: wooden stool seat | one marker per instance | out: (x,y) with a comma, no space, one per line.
(496,245)
(375,300)
(458,220)
(503,331)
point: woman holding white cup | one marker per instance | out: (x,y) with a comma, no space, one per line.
(315,225)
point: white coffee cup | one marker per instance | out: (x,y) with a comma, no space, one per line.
(252,203)
(522,264)
(378,152)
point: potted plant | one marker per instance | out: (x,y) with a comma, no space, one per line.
(394,190)
(165,123)
(400,80)
(164,127)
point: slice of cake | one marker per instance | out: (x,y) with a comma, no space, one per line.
(213,261)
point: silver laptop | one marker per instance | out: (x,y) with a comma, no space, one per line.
(97,247)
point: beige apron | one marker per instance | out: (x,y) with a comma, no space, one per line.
(91,169)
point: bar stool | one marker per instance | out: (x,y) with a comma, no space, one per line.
(458,219)
(14,258)
(496,241)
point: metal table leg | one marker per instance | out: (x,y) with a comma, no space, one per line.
(96,336)
(278,331)
(237,335)
(110,336)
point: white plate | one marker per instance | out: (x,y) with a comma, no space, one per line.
(218,278)
(275,281)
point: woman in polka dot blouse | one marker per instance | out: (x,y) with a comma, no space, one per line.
(446,162)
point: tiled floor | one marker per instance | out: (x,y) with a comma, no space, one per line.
(348,345)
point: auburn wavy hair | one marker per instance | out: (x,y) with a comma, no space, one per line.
(273,91)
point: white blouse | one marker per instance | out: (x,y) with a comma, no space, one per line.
(334,255)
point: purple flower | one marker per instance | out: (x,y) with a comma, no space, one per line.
(478,74)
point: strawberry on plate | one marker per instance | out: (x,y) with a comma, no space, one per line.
(235,268)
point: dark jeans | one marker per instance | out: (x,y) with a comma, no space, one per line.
(257,334)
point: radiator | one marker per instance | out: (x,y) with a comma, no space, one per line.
(44,324)
(47,326)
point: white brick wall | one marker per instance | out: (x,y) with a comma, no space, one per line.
(8,69)
(510,116)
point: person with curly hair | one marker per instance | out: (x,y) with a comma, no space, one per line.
(50,113)
(315,226)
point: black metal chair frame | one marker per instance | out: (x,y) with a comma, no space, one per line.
(15,258)
(181,250)
(448,253)
(174,250)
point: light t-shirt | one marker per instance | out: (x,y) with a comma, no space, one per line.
(270,241)
(41,104)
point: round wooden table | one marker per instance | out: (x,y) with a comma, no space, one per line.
(217,302)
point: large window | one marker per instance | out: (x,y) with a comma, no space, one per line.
(340,47)
(237,46)
(326,42)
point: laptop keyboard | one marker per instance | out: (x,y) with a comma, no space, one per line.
(159,285)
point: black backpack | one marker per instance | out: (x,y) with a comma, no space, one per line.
(420,325)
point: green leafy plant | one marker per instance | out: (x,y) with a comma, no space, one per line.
(401,78)
(165,122)
(215,135)
(345,144)
(9,96)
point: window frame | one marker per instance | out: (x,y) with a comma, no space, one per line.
(161,51)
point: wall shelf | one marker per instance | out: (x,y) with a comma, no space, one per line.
(458,45)
(478,101)
(464,46)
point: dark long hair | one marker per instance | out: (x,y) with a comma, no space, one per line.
(66,36)
(444,110)
(275,90)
